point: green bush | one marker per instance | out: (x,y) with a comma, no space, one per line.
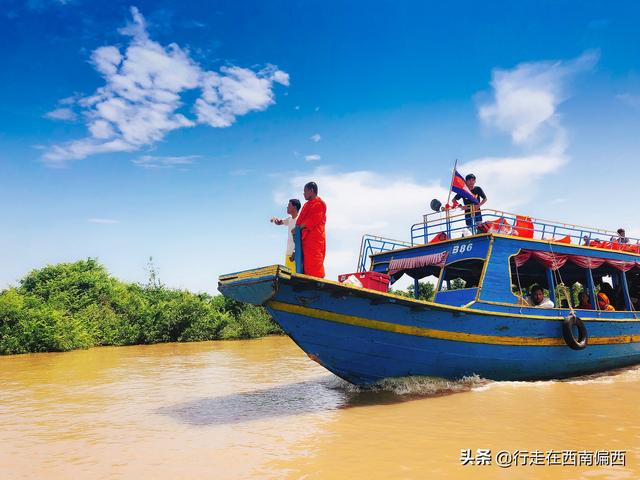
(79,305)
(250,322)
(426,291)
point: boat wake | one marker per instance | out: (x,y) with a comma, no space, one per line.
(418,386)
(619,375)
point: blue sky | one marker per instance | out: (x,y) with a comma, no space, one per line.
(177,129)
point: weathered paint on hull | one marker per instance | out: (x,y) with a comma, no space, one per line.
(363,355)
(363,336)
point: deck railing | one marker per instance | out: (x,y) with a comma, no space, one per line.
(371,244)
(453,224)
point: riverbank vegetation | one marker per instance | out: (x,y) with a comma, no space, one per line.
(79,305)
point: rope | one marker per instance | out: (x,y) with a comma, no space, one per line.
(519,285)
(561,286)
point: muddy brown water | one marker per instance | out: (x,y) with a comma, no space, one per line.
(261,409)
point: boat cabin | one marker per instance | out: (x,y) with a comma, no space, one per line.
(493,266)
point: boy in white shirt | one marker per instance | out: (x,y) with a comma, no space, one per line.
(537,298)
(293,208)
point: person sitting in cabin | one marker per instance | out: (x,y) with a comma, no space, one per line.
(613,296)
(634,293)
(537,298)
(603,303)
(583,301)
(472,215)
(293,208)
(621,237)
(635,303)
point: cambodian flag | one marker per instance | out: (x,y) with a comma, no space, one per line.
(459,186)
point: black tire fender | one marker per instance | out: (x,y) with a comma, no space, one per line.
(567,332)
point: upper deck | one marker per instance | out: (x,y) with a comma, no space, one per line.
(498,262)
(454,225)
(450,225)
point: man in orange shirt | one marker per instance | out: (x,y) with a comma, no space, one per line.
(311,221)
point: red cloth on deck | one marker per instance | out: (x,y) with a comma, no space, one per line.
(524,227)
(314,241)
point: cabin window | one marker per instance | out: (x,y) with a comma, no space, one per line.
(575,280)
(527,275)
(564,277)
(462,274)
(607,279)
(426,289)
(424,280)
(633,282)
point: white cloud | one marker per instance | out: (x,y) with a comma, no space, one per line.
(524,105)
(281,77)
(41,5)
(629,99)
(102,221)
(67,100)
(61,114)
(150,161)
(312,158)
(526,97)
(241,172)
(511,182)
(361,202)
(139,103)
(315,137)
(236,92)
(58,155)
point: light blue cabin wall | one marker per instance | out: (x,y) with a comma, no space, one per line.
(496,285)
(456,298)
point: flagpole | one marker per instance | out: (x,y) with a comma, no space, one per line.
(446,210)
(453,175)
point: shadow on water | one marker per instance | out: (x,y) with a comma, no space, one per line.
(324,394)
(312,396)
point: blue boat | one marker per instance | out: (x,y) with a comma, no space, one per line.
(480,321)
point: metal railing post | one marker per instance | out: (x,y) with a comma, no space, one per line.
(297,238)
(552,287)
(592,289)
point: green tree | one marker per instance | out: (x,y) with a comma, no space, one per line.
(78,305)
(426,291)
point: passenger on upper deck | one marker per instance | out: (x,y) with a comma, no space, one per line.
(293,208)
(537,298)
(312,220)
(621,237)
(472,215)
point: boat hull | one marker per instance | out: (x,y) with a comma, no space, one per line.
(365,336)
